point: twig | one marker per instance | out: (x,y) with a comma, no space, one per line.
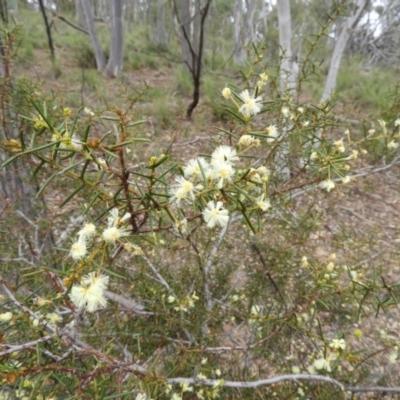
(129,304)
(196,139)
(160,279)
(210,262)
(66,21)
(356,389)
(267,273)
(368,171)
(256,384)
(23,346)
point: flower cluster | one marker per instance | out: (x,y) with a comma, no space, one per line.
(251,104)
(79,248)
(90,293)
(111,234)
(199,174)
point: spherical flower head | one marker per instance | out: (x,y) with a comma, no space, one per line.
(358,333)
(87,231)
(5,317)
(251,105)
(54,318)
(183,190)
(264,205)
(88,111)
(246,141)
(397,122)
(328,185)
(78,250)
(113,233)
(338,344)
(285,112)
(102,163)
(263,171)
(96,279)
(215,214)
(194,167)
(222,172)
(263,80)
(76,142)
(322,363)
(132,248)
(90,293)
(340,145)
(67,112)
(181,226)
(114,220)
(272,132)
(346,180)
(392,145)
(226,93)
(224,153)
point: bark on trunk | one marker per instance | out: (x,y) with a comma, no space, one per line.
(161,34)
(185,33)
(348,26)
(98,52)
(238,52)
(288,72)
(114,65)
(80,14)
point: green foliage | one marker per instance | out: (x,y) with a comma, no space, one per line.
(183,82)
(212,94)
(211,275)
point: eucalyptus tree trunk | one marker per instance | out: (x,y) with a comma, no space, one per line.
(80,14)
(114,65)
(348,26)
(287,80)
(98,52)
(244,29)
(239,52)
(250,32)
(161,35)
(288,68)
(185,19)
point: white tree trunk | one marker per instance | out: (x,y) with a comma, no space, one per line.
(244,30)
(79,13)
(161,37)
(289,69)
(98,52)
(114,65)
(344,36)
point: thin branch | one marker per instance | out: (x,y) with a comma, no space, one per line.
(357,389)
(256,384)
(210,262)
(61,18)
(159,278)
(24,346)
(368,171)
(129,304)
